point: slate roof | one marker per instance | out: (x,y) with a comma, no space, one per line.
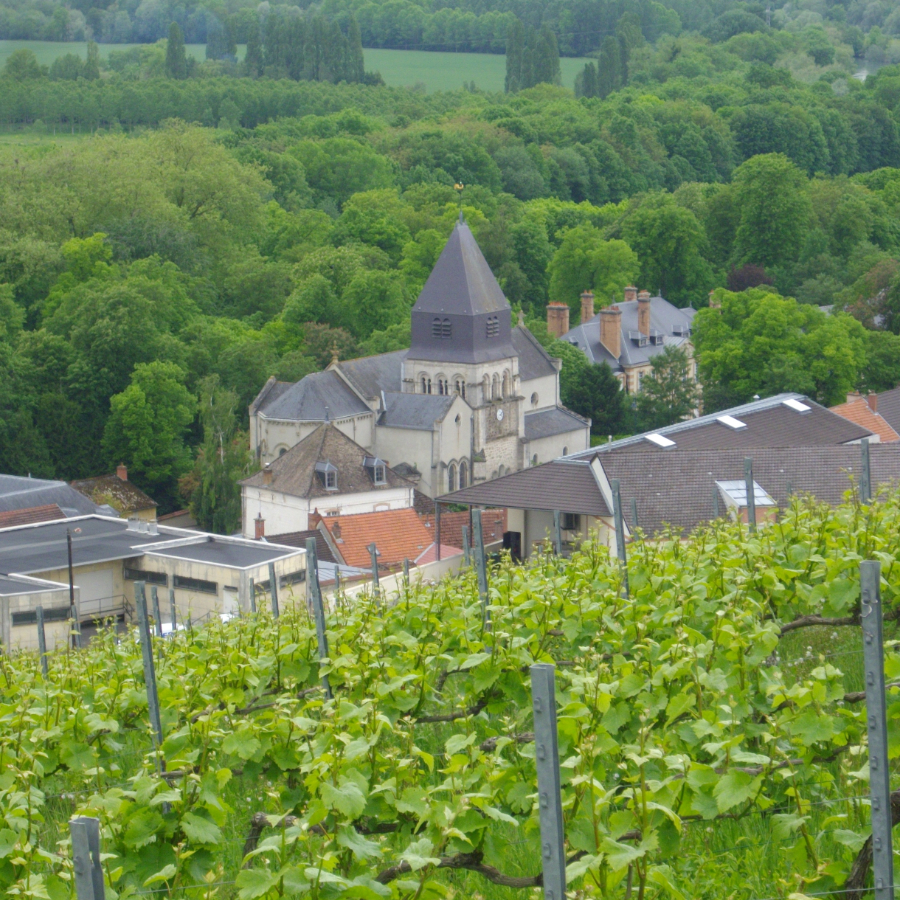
(270,392)
(299,538)
(769,424)
(534,360)
(664,317)
(564,484)
(861,413)
(461,281)
(556,420)
(889,407)
(676,487)
(415,411)
(319,397)
(31,515)
(17,492)
(294,472)
(123,496)
(398,533)
(370,375)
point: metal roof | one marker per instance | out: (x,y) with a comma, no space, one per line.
(556,420)
(564,484)
(770,423)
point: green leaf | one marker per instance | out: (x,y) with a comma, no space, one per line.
(199,830)
(361,847)
(812,727)
(418,854)
(164,874)
(242,744)
(618,856)
(734,788)
(347,799)
(254,883)
(142,828)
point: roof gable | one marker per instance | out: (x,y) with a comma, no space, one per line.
(315,398)
(398,534)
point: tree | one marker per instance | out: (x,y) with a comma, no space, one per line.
(669,241)
(176,57)
(761,343)
(212,487)
(668,393)
(773,207)
(515,50)
(585,261)
(147,428)
(22,66)
(590,390)
(253,59)
(91,70)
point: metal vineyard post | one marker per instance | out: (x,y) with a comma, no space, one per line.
(85,833)
(312,584)
(273,589)
(42,638)
(480,566)
(620,533)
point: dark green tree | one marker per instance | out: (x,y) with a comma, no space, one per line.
(253,59)
(515,50)
(91,70)
(590,390)
(669,392)
(212,488)
(608,67)
(176,58)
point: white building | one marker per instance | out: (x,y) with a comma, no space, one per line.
(472,399)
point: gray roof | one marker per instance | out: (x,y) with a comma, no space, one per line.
(566,485)
(42,547)
(294,472)
(10,586)
(770,423)
(461,281)
(373,374)
(556,420)
(664,318)
(231,553)
(889,407)
(675,487)
(417,411)
(17,492)
(534,360)
(315,398)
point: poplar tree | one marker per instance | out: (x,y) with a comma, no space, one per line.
(91,71)
(357,69)
(176,58)
(515,49)
(253,61)
(608,67)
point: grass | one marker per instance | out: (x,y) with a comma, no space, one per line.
(400,68)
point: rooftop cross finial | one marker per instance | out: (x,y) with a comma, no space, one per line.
(458,187)
(521,318)
(334,353)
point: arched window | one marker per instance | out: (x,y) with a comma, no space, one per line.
(495,387)
(426,384)
(459,385)
(534,461)
(463,474)
(534,399)
(451,477)
(443,386)
(565,451)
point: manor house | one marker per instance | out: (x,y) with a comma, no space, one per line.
(473,398)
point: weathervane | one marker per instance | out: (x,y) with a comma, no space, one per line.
(458,187)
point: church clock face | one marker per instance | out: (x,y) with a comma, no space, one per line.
(499,415)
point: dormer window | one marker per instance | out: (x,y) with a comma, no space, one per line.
(328,473)
(440,328)
(377,469)
(493,327)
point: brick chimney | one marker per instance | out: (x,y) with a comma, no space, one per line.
(122,472)
(611,330)
(267,473)
(872,400)
(587,306)
(558,319)
(259,527)
(630,293)
(643,302)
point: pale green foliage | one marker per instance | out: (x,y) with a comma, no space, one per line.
(682,720)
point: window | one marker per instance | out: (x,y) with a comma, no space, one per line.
(507,390)
(534,461)
(328,474)
(486,387)
(565,451)
(440,329)
(640,382)
(377,469)
(426,384)
(463,474)
(451,477)
(196,584)
(379,475)
(443,387)
(331,481)
(534,399)
(282,451)
(29,617)
(149,577)
(492,327)
(570,522)
(495,387)
(459,386)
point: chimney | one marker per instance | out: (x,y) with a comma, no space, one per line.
(267,473)
(714,301)
(643,301)
(260,527)
(558,319)
(872,400)
(336,532)
(587,306)
(122,472)
(630,293)
(611,330)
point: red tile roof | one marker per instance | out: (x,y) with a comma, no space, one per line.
(493,524)
(430,555)
(859,412)
(398,533)
(31,515)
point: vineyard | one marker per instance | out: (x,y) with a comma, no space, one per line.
(711,727)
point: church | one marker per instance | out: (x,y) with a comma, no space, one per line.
(473,398)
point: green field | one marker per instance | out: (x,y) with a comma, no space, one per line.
(399,68)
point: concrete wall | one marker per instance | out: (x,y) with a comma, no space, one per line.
(275,435)
(25,637)
(557,445)
(418,448)
(102,586)
(547,389)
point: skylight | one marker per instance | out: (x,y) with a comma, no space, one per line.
(732,422)
(796,405)
(659,440)
(736,493)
